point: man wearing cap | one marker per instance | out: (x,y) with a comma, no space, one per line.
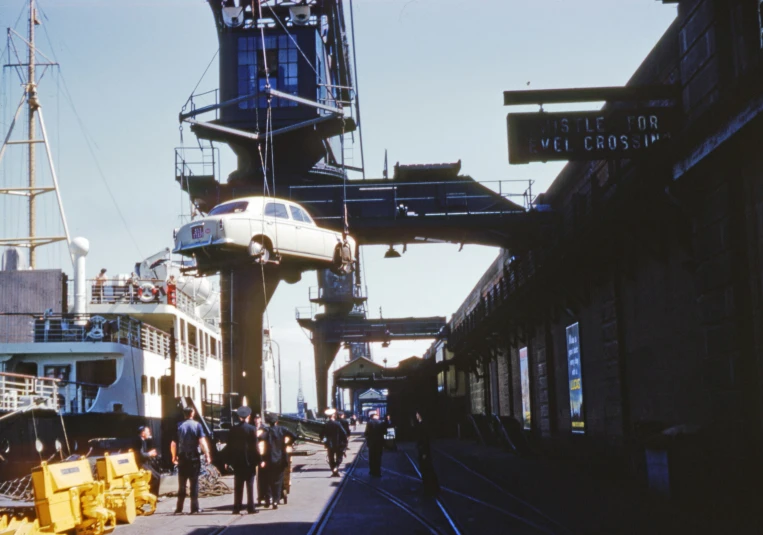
(375,431)
(146,454)
(274,460)
(336,441)
(241,453)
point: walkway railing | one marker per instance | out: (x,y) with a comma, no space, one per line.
(19,391)
(49,328)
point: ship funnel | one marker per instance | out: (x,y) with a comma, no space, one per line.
(79,248)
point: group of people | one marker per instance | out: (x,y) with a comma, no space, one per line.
(257,450)
(253,451)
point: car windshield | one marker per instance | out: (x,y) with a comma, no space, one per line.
(229,208)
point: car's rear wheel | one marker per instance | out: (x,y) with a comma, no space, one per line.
(259,251)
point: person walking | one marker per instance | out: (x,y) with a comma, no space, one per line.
(274,461)
(345,423)
(424,449)
(146,454)
(242,454)
(185,446)
(375,431)
(335,437)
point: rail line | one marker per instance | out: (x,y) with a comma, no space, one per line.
(542,523)
(328,509)
(504,491)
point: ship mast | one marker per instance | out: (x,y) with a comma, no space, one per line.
(34,109)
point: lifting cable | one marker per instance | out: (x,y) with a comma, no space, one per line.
(265,186)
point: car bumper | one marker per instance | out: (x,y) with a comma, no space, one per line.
(222,242)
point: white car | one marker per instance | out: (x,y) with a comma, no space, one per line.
(270,230)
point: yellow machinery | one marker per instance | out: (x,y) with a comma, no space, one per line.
(127,486)
(18,526)
(66,497)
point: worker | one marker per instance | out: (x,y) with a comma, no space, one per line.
(375,431)
(345,423)
(242,454)
(146,455)
(274,460)
(100,282)
(335,438)
(428,475)
(185,446)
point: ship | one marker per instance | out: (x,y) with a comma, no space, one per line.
(84,363)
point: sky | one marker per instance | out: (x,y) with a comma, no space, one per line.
(431,76)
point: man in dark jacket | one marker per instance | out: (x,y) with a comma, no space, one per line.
(242,454)
(272,447)
(375,431)
(342,419)
(336,441)
(423,446)
(146,455)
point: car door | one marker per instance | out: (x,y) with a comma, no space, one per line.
(310,238)
(280,227)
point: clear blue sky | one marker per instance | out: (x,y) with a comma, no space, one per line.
(431,78)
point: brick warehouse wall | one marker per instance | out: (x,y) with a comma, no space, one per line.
(668,291)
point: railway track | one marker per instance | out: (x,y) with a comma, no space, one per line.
(397,500)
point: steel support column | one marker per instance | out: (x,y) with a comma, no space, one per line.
(244,297)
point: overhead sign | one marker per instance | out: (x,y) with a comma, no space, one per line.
(587,135)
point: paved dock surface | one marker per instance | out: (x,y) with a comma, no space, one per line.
(483,490)
(311,489)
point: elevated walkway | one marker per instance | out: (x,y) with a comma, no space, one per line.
(339,329)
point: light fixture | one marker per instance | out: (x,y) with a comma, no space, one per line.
(391,253)
(385,343)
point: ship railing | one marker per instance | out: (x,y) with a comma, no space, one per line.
(126,291)
(18,391)
(321,293)
(154,340)
(48,327)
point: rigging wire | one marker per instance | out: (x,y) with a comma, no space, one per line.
(86,135)
(201,79)
(288,34)
(357,92)
(101,174)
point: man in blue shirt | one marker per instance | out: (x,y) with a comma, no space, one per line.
(185,454)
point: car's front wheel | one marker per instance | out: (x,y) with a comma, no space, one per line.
(258,250)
